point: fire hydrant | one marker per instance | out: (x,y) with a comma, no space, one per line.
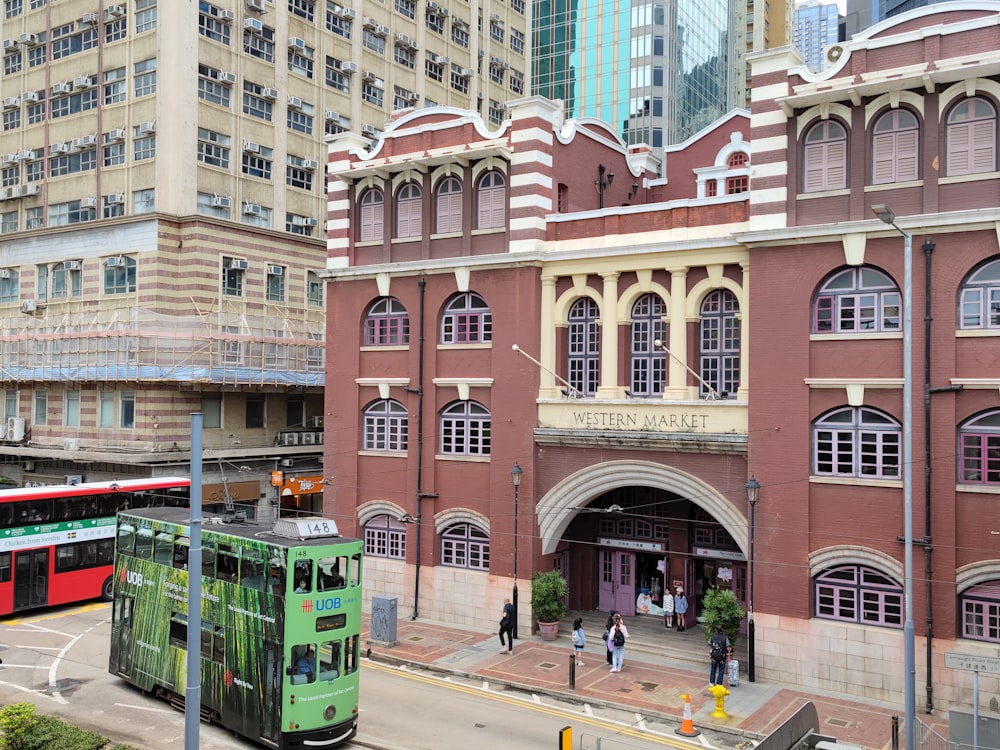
(719,692)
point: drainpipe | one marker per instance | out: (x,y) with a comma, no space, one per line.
(420,443)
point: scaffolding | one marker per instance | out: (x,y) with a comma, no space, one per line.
(134,345)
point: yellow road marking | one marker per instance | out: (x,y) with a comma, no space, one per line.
(48,615)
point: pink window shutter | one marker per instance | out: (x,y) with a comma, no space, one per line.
(403,218)
(836,165)
(906,156)
(883,157)
(378,220)
(485,208)
(498,214)
(958,149)
(984,140)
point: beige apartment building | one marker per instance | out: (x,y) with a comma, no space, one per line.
(162,214)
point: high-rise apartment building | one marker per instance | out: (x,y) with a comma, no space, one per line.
(162,212)
(816,26)
(863,13)
(659,71)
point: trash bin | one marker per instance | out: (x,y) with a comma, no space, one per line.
(734,672)
(383,629)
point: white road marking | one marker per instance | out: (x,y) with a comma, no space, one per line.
(588,709)
(36,693)
(640,722)
(148,708)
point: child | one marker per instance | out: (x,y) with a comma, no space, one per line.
(579,639)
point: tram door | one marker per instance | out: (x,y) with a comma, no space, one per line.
(617,585)
(31,578)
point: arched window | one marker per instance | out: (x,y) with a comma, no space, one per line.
(979,448)
(449,206)
(857,441)
(738,183)
(387,323)
(465,546)
(119,275)
(386,426)
(648,361)
(385,536)
(980,298)
(895,138)
(720,342)
(737,160)
(465,429)
(466,320)
(971,137)
(492,201)
(583,346)
(980,606)
(856,593)
(824,157)
(857,300)
(372,205)
(409,209)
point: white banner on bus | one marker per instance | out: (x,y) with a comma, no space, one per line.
(45,534)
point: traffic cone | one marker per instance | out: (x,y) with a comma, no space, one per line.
(687,725)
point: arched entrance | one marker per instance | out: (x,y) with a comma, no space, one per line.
(625,533)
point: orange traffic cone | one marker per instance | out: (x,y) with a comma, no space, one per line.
(687,725)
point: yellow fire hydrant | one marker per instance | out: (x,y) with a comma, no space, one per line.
(719,692)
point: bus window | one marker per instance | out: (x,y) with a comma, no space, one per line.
(70,508)
(303,576)
(227,564)
(356,570)
(6,515)
(126,539)
(34,511)
(330,573)
(67,558)
(4,567)
(106,505)
(144,544)
(181,553)
(304,664)
(105,551)
(329,661)
(163,548)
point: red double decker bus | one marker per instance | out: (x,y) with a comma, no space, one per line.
(57,544)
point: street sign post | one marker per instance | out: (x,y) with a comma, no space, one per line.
(975,664)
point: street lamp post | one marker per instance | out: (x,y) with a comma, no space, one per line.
(752,487)
(515,479)
(884,213)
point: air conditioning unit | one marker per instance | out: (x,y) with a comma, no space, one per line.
(116,134)
(29,306)
(250,147)
(116,199)
(25,155)
(270,94)
(89,202)
(295,42)
(64,87)
(115,261)
(251,209)
(85,141)
(444,12)
(287,463)
(310,222)
(4,273)
(9,45)
(349,67)
(496,61)
(275,271)
(256,5)
(381,30)
(222,201)
(253,24)
(467,72)
(117,11)
(225,14)
(10,158)
(226,77)
(310,164)
(403,39)
(294,102)
(289,438)
(11,102)
(89,19)
(369,22)
(308,438)
(413,97)
(240,264)
(148,126)
(329,114)
(433,7)
(439,59)
(74,265)
(9,193)
(368,130)
(303,221)
(15,429)
(29,96)
(29,39)
(348,14)
(316,422)
(58,148)
(30,189)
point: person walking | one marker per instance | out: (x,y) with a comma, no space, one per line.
(718,652)
(616,638)
(579,640)
(507,627)
(680,609)
(668,611)
(608,624)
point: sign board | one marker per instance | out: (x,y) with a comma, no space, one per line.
(972,663)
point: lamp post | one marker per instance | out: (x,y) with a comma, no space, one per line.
(752,487)
(515,479)
(885,214)
(601,182)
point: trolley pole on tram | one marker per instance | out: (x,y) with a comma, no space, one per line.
(192,692)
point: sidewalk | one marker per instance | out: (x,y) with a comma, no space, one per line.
(652,680)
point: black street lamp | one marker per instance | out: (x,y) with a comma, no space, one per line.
(515,479)
(604,179)
(753,488)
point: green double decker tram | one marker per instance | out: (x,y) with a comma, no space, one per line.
(280,623)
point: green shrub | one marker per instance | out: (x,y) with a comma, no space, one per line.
(721,608)
(548,596)
(17,722)
(23,730)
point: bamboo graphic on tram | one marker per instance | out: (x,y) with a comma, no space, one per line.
(280,629)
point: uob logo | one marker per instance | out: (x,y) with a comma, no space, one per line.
(134,577)
(326,605)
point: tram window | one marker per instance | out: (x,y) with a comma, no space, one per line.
(356,570)
(331,573)
(329,661)
(252,570)
(144,544)
(181,553)
(126,539)
(4,567)
(178,630)
(227,564)
(276,575)
(303,576)
(213,642)
(303,667)
(208,559)
(351,645)
(163,548)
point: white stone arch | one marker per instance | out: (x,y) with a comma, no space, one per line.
(706,286)
(486,165)
(368,511)
(408,175)
(736,145)
(556,510)
(975,573)
(630,295)
(892,100)
(452,516)
(822,112)
(852,554)
(371,181)
(963,89)
(560,313)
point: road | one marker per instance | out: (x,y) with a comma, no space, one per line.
(58,660)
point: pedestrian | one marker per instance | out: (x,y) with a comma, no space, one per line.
(718,652)
(680,609)
(608,624)
(616,642)
(668,611)
(507,627)
(579,640)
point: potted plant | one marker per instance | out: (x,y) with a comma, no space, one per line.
(722,608)
(548,602)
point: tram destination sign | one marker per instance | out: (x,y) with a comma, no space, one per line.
(972,663)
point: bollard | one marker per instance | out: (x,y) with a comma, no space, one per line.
(719,692)
(566,738)
(572,671)
(895,733)
(687,725)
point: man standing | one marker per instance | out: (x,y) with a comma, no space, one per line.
(507,626)
(718,652)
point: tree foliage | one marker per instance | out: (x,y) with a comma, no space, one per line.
(548,596)
(721,608)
